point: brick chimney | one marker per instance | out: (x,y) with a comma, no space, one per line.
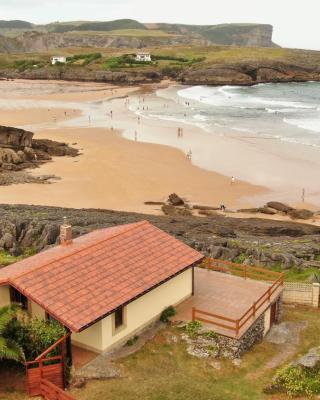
(65,233)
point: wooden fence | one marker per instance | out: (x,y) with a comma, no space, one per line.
(44,370)
(244,271)
(49,391)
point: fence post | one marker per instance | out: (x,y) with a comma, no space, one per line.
(193,314)
(315,294)
(237,327)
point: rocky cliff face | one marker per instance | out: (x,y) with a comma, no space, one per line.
(250,73)
(39,41)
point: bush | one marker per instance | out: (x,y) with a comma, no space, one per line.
(192,328)
(210,335)
(132,341)
(296,381)
(167,313)
(35,335)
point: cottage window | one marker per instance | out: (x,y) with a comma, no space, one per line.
(17,297)
(118,318)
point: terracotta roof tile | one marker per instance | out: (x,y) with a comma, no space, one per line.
(100,271)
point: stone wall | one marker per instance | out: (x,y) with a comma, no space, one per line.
(235,348)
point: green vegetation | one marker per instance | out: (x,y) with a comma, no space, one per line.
(132,341)
(84,59)
(167,314)
(192,328)
(296,274)
(10,349)
(124,61)
(7,259)
(165,371)
(22,65)
(297,381)
(34,336)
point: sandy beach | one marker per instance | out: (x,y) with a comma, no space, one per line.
(112,172)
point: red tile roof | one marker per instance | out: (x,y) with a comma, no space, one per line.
(87,280)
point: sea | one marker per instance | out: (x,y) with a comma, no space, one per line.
(285,111)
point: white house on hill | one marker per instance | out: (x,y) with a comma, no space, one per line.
(58,59)
(143,57)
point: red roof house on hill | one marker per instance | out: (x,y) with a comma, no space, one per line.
(106,285)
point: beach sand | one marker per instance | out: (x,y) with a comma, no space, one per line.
(112,172)
(126,159)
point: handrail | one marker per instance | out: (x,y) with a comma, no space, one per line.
(42,360)
(246,271)
(52,347)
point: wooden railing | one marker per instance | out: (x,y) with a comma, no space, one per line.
(245,271)
(242,270)
(49,391)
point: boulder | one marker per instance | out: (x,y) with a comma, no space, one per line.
(168,209)
(267,210)
(15,138)
(7,241)
(276,205)
(309,360)
(175,200)
(301,214)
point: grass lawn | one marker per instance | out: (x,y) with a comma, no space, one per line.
(164,371)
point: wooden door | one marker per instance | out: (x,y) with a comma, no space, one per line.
(273,313)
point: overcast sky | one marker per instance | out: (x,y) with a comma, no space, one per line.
(296,23)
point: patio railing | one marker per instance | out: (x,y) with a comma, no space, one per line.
(244,271)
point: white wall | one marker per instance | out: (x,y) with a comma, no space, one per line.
(4,296)
(138,314)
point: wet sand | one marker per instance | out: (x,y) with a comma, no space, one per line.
(113,172)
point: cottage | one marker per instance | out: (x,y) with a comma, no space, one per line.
(58,59)
(105,286)
(143,57)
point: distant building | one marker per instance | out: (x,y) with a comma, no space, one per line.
(58,59)
(143,57)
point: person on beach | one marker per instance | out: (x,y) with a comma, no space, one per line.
(135,136)
(89,118)
(222,207)
(138,120)
(233,180)
(111,114)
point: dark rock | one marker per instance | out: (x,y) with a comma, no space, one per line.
(15,138)
(175,200)
(205,208)
(276,205)
(301,214)
(168,209)
(267,210)
(154,203)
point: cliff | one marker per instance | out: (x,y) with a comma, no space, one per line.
(25,37)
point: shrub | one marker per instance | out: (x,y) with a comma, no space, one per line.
(192,328)
(296,381)
(35,335)
(132,341)
(167,313)
(210,335)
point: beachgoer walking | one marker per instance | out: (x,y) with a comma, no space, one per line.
(222,207)
(233,180)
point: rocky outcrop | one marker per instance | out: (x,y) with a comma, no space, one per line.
(254,241)
(249,72)
(14,138)
(18,151)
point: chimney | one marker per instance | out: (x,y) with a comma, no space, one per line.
(65,233)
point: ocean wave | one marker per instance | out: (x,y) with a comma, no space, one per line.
(308,124)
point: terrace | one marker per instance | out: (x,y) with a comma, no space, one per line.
(229,298)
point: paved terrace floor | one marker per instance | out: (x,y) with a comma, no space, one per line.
(224,294)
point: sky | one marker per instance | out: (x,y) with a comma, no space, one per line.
(296,23)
